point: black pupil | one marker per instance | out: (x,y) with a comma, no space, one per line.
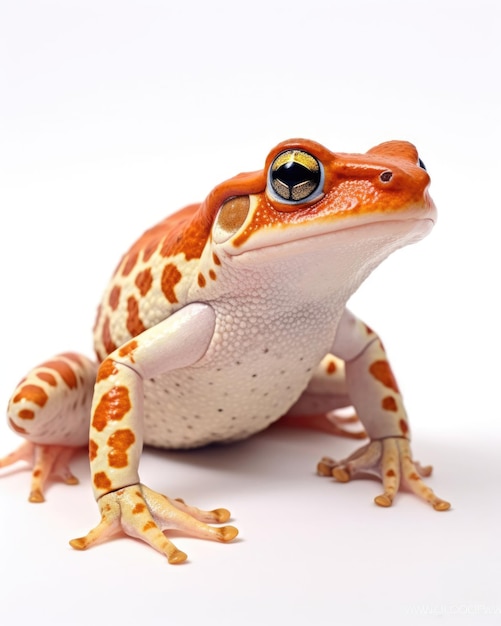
(294,173)
(422,165)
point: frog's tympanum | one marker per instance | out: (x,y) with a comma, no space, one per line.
(225,317)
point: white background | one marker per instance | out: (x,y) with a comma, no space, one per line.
(115,113)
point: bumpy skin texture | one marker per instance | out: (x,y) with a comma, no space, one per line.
(225,317)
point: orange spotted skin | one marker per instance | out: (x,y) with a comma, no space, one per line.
(62,385)
(226,316)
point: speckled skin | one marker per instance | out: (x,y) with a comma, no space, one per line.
(229,315)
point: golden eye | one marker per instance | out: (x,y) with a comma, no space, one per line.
(295,176)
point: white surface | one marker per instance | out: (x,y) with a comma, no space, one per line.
(115,113)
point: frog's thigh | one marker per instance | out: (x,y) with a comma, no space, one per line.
(325,393)
(117,424)
(51,405)
(50,408)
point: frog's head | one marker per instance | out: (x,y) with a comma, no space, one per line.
(307,191)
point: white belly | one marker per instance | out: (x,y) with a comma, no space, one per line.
(247,380)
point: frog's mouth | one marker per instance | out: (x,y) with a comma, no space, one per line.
(363,236)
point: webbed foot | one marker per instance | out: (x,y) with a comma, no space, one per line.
(143,513)
(391,460)
(47,462)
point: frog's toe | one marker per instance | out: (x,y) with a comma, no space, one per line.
(47,462)
(217,516)
(108,527)
(362,460)
(411,478)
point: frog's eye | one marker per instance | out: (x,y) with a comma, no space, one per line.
(295,176)
(421,164)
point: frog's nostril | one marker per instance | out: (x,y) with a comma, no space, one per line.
(385,177)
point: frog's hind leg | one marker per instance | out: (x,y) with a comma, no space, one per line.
(330,423)
(50,408)
(318,406)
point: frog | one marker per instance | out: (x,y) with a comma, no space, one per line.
(226,317)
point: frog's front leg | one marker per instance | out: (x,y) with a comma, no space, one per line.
(377,400)
(116,437)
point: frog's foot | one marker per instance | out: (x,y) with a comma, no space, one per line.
(142,513)
(391,459)
(47,462)
(331,423)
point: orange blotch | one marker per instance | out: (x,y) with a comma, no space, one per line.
(216,259)
(212,274)
(37,473)
(129,263)
(144,281)
(106,369)
(368,330)
(201,280)
(119,442)
(64,370)
(413,476)
(149,525)
(381,371)
(170,277)
(16,428)
(331,367)
(139,508)
(108,343)
(128,350)
(93,448)
(113,405)
(390,473)
(26,414)
(101,481)
(403,426)
(47,378)
(134,323)
(114,298)
(389,404)
(31,393)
